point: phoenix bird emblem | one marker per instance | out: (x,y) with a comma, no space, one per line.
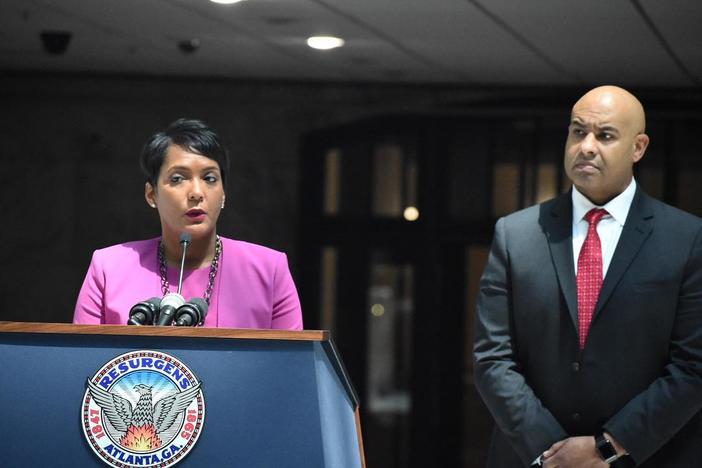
(142,425)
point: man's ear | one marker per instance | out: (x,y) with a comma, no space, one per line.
(150,194)
(640,144)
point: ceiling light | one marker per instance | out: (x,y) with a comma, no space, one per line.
(225,2)
(324,42)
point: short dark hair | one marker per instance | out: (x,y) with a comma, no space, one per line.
(190,134)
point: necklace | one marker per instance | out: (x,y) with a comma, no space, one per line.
(213,269)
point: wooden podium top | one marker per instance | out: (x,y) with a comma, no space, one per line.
(200,332)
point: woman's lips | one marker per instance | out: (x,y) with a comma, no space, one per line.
(196,214)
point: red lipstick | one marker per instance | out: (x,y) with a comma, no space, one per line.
(196,214)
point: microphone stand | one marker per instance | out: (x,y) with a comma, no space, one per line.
(172,301)
(185,239)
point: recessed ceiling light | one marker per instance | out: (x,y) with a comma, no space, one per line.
(226,2)
(324,42)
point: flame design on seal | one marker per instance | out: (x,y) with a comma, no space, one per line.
(141,439)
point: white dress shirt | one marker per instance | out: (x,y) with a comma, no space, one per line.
(609,228)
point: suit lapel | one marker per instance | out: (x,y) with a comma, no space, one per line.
(558,227)
(638,226)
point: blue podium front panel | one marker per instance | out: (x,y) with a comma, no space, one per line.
(268,403)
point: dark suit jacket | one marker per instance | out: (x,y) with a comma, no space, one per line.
(639,376)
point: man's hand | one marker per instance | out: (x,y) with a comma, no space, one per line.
(574,452)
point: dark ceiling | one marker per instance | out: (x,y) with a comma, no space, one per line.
(459,42)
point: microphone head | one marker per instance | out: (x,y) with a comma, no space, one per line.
(201,304)
(171,299)
(192,313)
(143,313)
(169,304)
(185,237)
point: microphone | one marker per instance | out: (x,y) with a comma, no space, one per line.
(143,313)
(169,304)
(172,301)
(192,313)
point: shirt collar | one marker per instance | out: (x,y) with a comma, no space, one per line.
(617,207)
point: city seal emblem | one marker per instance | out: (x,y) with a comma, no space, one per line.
(143,409)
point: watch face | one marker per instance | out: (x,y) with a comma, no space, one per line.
(606,449)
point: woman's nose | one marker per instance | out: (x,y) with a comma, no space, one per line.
(195,192)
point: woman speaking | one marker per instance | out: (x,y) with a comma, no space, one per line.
(243,285)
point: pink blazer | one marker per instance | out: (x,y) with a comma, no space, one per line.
(253,287)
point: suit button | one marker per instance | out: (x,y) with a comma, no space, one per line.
(576,417)
(576,366)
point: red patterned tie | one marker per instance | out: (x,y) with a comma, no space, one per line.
(589,279)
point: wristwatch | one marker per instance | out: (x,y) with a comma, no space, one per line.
(605,448)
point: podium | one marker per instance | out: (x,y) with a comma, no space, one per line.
(273,399)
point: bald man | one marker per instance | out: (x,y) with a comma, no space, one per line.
(588,346)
